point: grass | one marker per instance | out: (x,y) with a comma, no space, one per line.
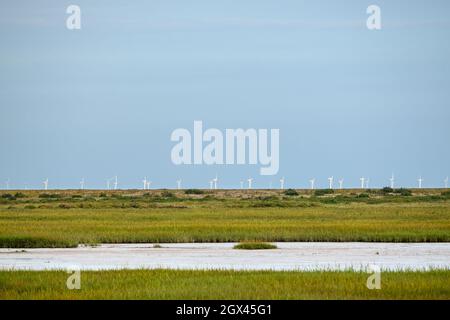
(254,246)
(68,218)
(178,284)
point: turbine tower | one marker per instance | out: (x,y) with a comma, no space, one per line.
(148,184)
(242,184)
(45,182)
(341,183)
(215,182)
(330,182)
(367,183)
(179,184)
(420,182)
(446,183)
(82,184)
(211,184)
(281,183)
(312,183)
(107,184)
(250,180)
(391,179)
(115,183)
(145,183)
(362,179)
(7,184)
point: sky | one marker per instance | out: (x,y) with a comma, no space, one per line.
(103,100)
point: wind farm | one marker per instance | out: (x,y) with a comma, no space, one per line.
(224,150)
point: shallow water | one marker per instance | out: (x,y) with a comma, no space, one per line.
(288,256)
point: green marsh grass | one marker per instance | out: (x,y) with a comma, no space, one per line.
(69,218)
(186,284)
(254,246)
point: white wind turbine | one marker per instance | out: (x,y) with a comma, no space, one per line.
(391,179)
(7,184)
(211,184)
(215,182)
(281,183)
(144,181)
(341,183)
(45,182)
(420,182)
(82,184)
(148,183)
(107,184)
(250,180)
(367,183)
(242,184)
(179,184)
(115,183)
(362,179)
(446,183)
(312,183)
(330,182)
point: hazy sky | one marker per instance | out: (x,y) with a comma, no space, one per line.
(104,100)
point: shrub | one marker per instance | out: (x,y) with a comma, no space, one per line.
(362,195)
(403,191)
(446,193)
(167,194)
(8,196)
(48,196)
(254,246)
(194,191)
(387,190)
(290,192)
(322,192)
(20,195)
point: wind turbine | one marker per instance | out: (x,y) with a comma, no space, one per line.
(148,183)
(362,182)
(179,184)
(250,180)
(446,183)
(420,182)
(330,182)
(115,183)
(341,183)
(107,184)
(282,183)
(312,183)
(367,183)
(45,182)
(242,184)
(391,179)
(7,184)
(145,183)
(82,184)
(211,184)
(215,182)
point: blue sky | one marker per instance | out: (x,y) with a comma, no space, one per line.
(103,100)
